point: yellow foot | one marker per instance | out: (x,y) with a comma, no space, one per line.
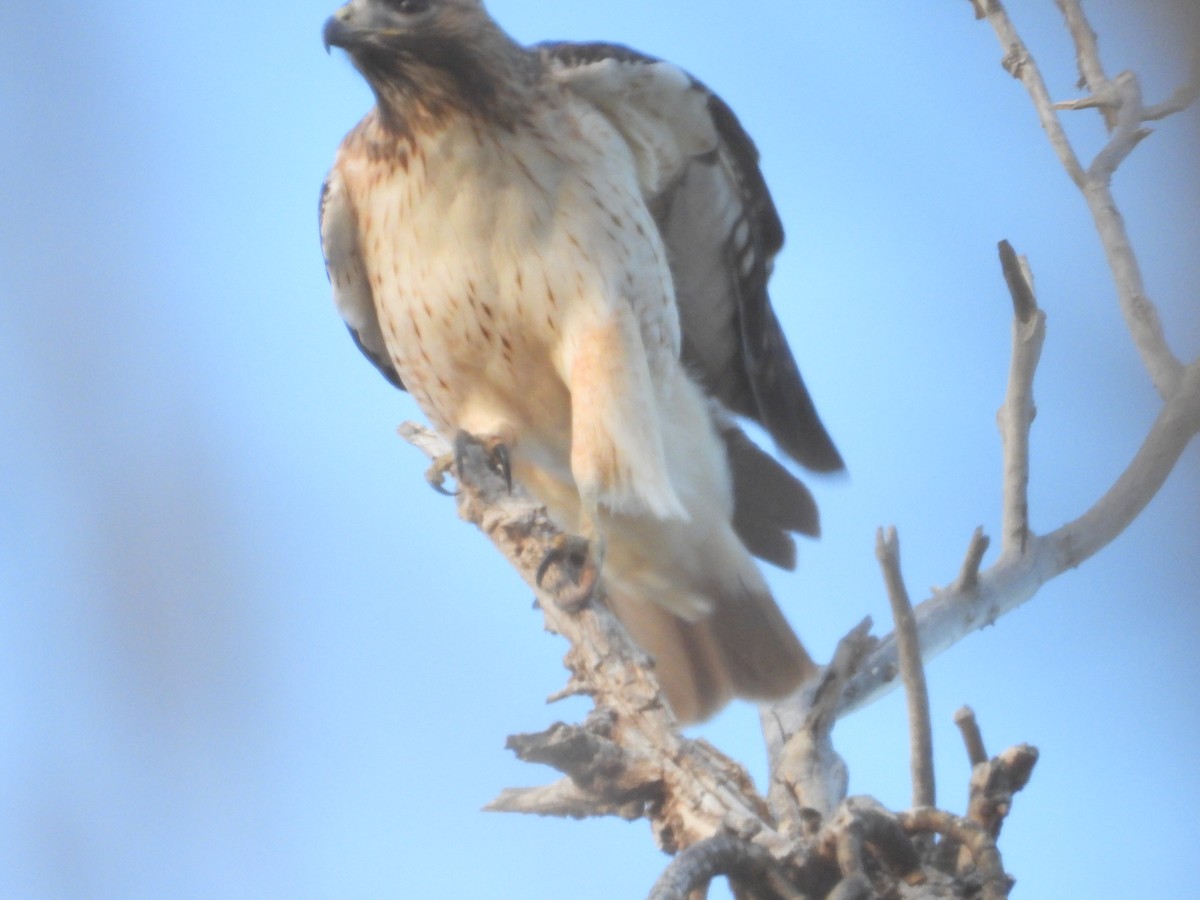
(495,454)
(436,474)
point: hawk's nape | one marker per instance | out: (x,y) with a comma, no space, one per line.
(564,250)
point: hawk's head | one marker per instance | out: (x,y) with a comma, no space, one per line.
(432,57)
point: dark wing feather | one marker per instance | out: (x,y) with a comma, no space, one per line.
(781,401)
(722,232)
(351,289)
(769,502)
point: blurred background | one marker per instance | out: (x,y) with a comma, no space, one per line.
(246,652)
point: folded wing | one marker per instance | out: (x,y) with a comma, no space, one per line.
(700,176)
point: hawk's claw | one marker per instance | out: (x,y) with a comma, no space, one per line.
(455,462)
(495,454)
(436,474)
(574,554)
(499,462)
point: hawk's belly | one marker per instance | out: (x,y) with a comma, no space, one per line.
(487,264)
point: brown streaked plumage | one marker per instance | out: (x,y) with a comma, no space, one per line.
(564,250)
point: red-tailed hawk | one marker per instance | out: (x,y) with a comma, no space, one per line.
(563,251)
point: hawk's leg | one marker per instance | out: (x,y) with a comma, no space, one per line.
(579,559)
(495,455)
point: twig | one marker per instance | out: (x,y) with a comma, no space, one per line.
(1140,315)
(972,836)
(950,854)
(1087,58)
(1017,414)
(563,799)
(972,738)
(1018,62)
(807,774)
(1185,95)
(1177,423)
(995,781)
(1119,99)
(863,825)
(694,868)
(968,575)
(1020,287)
(912,670)
(948,616)
(1128,131)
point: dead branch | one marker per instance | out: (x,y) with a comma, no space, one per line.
(563,799)
(972,738)
(968,575)
(992,786)
(694,868)
(912,670)
(630,749)
(809,780)
(1029,561)
(628,759)
(993,783)
(974,838)
(1141,317)
(1185,95)
(1087,58)
(948,616)
(1016,416)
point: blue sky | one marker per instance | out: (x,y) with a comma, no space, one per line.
(246,652)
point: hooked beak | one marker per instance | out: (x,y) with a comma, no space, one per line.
(336,32)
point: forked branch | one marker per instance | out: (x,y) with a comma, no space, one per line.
(1028,561)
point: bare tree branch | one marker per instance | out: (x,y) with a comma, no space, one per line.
(912,670)
(1017,414)
(1185,95)
(694,868)
(968,575)
(1177,423)
(631,744)
(970,835)
(1141,317)
(806,771)
(993,783)
(950,615)
(1027,562)
(972,739)
(563,799)
(1087,58)
(1018,63)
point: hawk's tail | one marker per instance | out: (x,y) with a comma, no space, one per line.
(743,648)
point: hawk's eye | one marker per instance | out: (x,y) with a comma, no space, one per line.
(410,7)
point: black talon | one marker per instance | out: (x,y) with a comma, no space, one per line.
(495,455)
(548,560)
(436,476)
(575,551)
(557,552)
(462,441)
(438,486)
(500,464)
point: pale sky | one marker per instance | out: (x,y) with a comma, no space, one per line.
(245,651)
